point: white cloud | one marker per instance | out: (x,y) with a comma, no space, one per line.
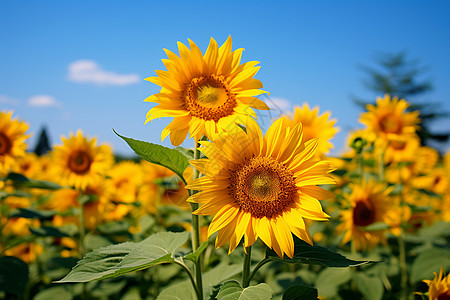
(8,100)
(89,71)
(43,101)
(278,104)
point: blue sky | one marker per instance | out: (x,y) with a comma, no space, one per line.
(81,64)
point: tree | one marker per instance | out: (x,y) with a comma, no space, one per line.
(399,76)
(43,143)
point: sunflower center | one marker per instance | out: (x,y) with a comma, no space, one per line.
(263,187)
(79,162)
(398,145)
(5,144)
(209,98)
(390,124)
(363,214)
(445,296)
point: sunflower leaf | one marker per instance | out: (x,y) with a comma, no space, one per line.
(211,278)
(22,181)
(375,227)
(172,159)
(13,275)
(304,253)
(300,292)
(232,290)
(429,261)
(116,260)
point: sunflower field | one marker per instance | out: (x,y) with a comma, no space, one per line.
(242,214)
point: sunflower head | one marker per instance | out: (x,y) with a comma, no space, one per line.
(205,94)
(12,140)
(368,204)
(314,126)
(439,287)
(79,161)
(261,187)
(389,116)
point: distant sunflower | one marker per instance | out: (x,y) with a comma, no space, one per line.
(262,187)
(389,117)
(314,126)
(12,140)
(439,287)
(205,94)
(369,204)
(402,149)
(79,162)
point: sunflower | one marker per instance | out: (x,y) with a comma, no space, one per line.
(401,149)
(314,126)
(262,187)
(369,204)
(439,287)
(79,162)
(12,141)
(389,117)
(205,94)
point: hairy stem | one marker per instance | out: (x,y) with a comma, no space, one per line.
(246,267)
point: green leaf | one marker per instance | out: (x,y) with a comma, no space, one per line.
(304,253)
(375,227)
(23,181)
(195,255)
(48,231)
(160,155)
(54,293)
(13,275)
(184,290)
(116,260)
(371,287)
(303,292)
(429,261)
(330,279)
(232,290)
(31,213)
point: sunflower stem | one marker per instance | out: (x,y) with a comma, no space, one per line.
(401,246)
(81,247)
(246,267)
(258,266)
(381,166)
(196,232)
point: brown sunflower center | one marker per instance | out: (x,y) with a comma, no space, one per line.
(363,214)
(5,144)
(445,296)
(263,187)
(79,162)
(209,98)
(390,124)
(398,145)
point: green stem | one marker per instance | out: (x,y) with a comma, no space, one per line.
(381,167)
(360,163)
(246,267)
(258,266)
(81,246)
(196,232)
(191,278)
(401,246)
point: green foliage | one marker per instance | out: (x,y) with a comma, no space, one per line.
(297,292)
(160,155)
(21,181)
(116,260)
(429,261)
(184,291)
(330,279)
(370,287)
(232,290)
(304,253)
(13,275)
